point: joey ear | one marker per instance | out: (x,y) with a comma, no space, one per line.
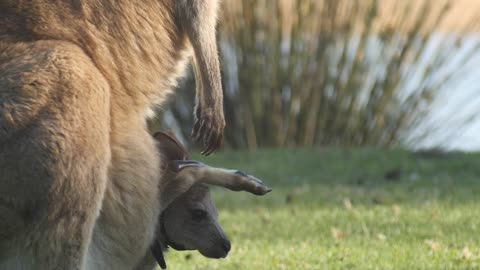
(170,147)
(170,134)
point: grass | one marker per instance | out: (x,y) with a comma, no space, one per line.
(349,209)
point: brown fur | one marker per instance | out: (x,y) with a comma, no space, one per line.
(181,192)
(77,78)
(185,191)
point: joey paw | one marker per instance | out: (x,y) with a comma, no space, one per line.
(260,188)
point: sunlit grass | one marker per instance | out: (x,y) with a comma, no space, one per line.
(337,209)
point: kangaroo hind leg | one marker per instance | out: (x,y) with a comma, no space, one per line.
(57,161)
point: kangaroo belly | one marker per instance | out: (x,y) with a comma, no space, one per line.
(130,209)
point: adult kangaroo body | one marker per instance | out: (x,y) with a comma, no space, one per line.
(77,80)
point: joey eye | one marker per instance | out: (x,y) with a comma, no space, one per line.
(198,214)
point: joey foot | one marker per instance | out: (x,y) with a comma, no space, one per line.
(253,184)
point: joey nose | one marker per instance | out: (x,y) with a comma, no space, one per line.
(226,246)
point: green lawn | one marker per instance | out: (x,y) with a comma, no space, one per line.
(349,209)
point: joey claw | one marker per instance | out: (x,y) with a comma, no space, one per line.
(259,188)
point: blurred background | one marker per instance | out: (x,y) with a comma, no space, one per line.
(360,113)
(342,72)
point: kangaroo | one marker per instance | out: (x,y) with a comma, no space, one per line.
(78,79)
(189,218)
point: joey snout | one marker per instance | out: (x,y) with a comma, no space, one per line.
(218,250)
